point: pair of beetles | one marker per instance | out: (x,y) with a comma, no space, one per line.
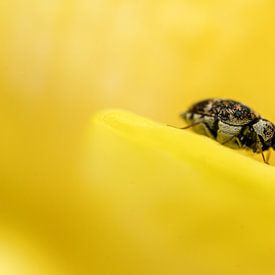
(232,124)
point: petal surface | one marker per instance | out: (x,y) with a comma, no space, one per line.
(177,203)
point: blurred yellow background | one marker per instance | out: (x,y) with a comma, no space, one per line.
(60,61)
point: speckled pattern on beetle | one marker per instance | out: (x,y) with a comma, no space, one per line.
(231,123)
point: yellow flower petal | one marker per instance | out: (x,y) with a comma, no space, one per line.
(174,202)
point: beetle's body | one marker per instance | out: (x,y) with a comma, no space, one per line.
(231,123)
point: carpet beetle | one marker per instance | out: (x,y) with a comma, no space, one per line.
(231,123)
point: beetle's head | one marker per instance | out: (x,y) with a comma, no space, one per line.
(266,131)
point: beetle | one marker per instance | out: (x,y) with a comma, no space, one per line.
(232,124)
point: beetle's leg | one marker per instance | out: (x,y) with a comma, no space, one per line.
(239,142)
(228,140)
(261,150)
(210,132)
(265,161)
(263,156)
(206,127)
(231,138)
(268,155)
(188,126)
(191,125)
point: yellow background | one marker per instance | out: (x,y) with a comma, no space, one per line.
(60,61)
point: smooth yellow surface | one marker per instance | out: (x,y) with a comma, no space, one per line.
(21,254)
(61,61)
(175,202)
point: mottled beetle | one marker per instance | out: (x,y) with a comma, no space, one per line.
(231,123)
